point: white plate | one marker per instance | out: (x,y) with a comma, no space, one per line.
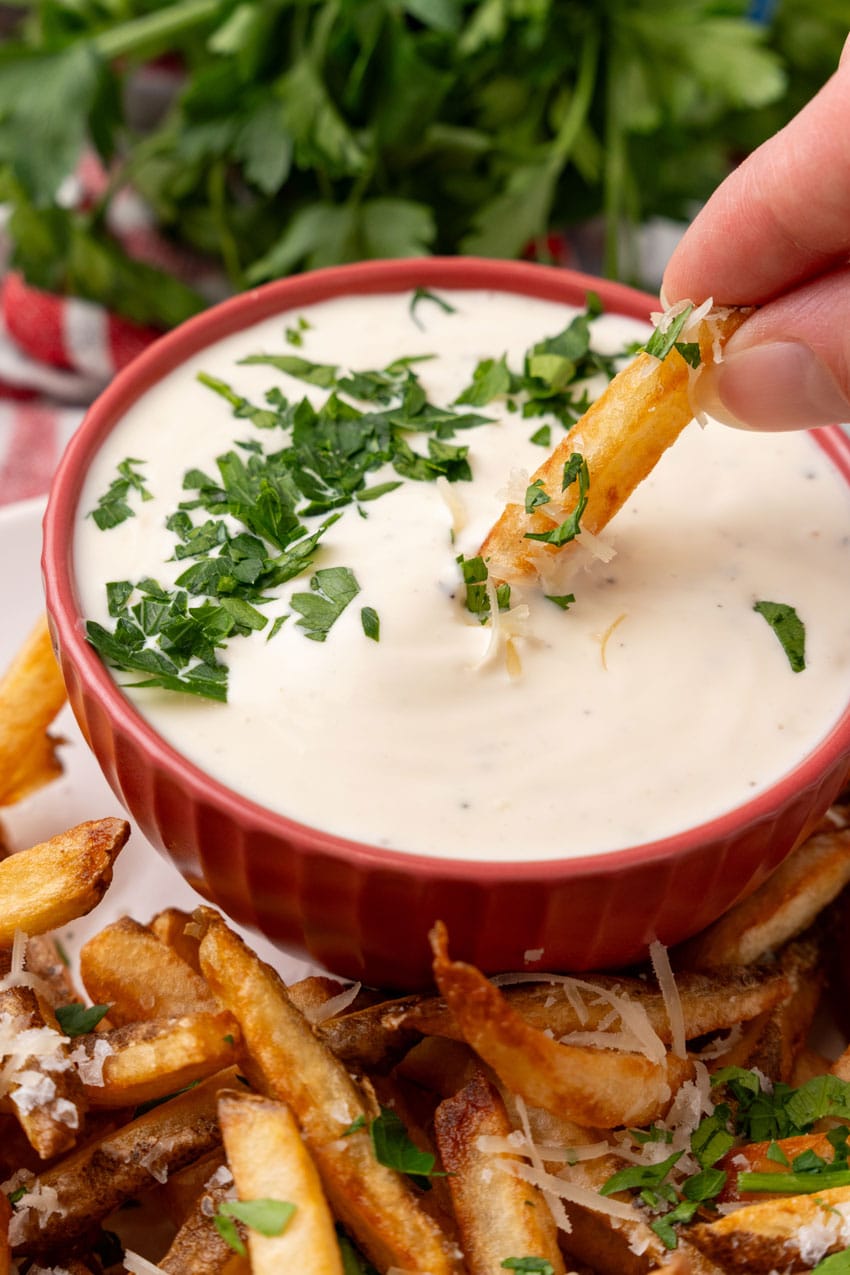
(144,881)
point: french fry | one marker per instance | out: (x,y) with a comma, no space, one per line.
(45,1091)
(601,1087)
(710,1002)
(621,437)
(270,1162)
(97,1178)
(31,694)
(50,884)
(180,1193)
(373,1038)
(801,887)
(498,1215)
(287,1061)
(126,967)
(169,926)
(198,1247)
(760,1238)
(152,1059)
(5,1250)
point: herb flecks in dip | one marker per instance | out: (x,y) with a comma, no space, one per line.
(651,694)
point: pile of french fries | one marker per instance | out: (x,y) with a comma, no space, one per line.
(316,1128)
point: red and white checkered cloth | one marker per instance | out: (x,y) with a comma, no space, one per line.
(58,353)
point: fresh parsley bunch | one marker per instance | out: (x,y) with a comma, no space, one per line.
(304,133)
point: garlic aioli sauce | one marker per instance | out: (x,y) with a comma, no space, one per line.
(687,708)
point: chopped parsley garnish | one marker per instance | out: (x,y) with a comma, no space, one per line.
(112,507)
(542,436)
(18,1194)
(835,1264)
(423,294)
(475,577)
(661,343)
(575,471)
(394,1149)
(359,1122)
(267,1217)
(552,368)
(530,1265)
(789,628)
(295,334)
(535,496)
(562,600)
(332,590)
(371,622)
(77,1019)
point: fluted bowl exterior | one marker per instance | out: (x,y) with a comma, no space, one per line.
(365,912)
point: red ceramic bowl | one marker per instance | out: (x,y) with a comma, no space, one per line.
(365,912)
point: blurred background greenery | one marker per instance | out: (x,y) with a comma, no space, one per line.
(278,135)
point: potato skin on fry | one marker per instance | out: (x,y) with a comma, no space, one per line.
(765,1237)
(50,884)
(498,1216)
(98,1177)
(590,1086)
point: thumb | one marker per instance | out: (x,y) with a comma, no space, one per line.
(788,366)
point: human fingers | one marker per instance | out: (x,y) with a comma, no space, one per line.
(780,217)
(788,366)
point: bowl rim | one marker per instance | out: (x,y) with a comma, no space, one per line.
(545,282)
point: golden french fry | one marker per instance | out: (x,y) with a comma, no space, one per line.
(126,967)
(710,1002)
(287,1061)
(498,1215)
(810,878)
(121,1165)
(373,1038)
(605,1088)
(46,962)
(31,694)
(50,884)
(773,1041)
(48,1103)
(771,1236)
(621,436)
(270,1162)
(169,926)
(198,1247)
(145,1061)
(180,1193)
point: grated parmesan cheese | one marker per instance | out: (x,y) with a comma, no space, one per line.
(44,1200)
(561,1189)
(552,1198)
(670,993)
(454,503)
(333,1006)
(89,1064)
(138,1265)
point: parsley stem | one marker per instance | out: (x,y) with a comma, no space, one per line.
(582,97)
(793,1183)
(154,29)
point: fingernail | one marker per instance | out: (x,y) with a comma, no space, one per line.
(781,385)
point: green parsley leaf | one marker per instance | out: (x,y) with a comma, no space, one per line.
(423,294)
(704,1185)
(394,1149)
(834,1264)
(535,496)
(661,343)
(639,1176)
(295,335)
(575,470)
(322,374)
(542,436)
(690,352)
(112,507)
(663,1226)
(562,600)
(353,1261)
(371,623)
(17,1194)
(775,1153)
(77,1019)
(359,1122)
(789,628)
(490,380)
(333,589)
(535,1265)
(711,1139)
(475,576)
(267,1217)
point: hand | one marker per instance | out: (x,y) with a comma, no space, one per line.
(776,234)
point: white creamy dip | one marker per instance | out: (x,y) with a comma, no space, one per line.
(660,699)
